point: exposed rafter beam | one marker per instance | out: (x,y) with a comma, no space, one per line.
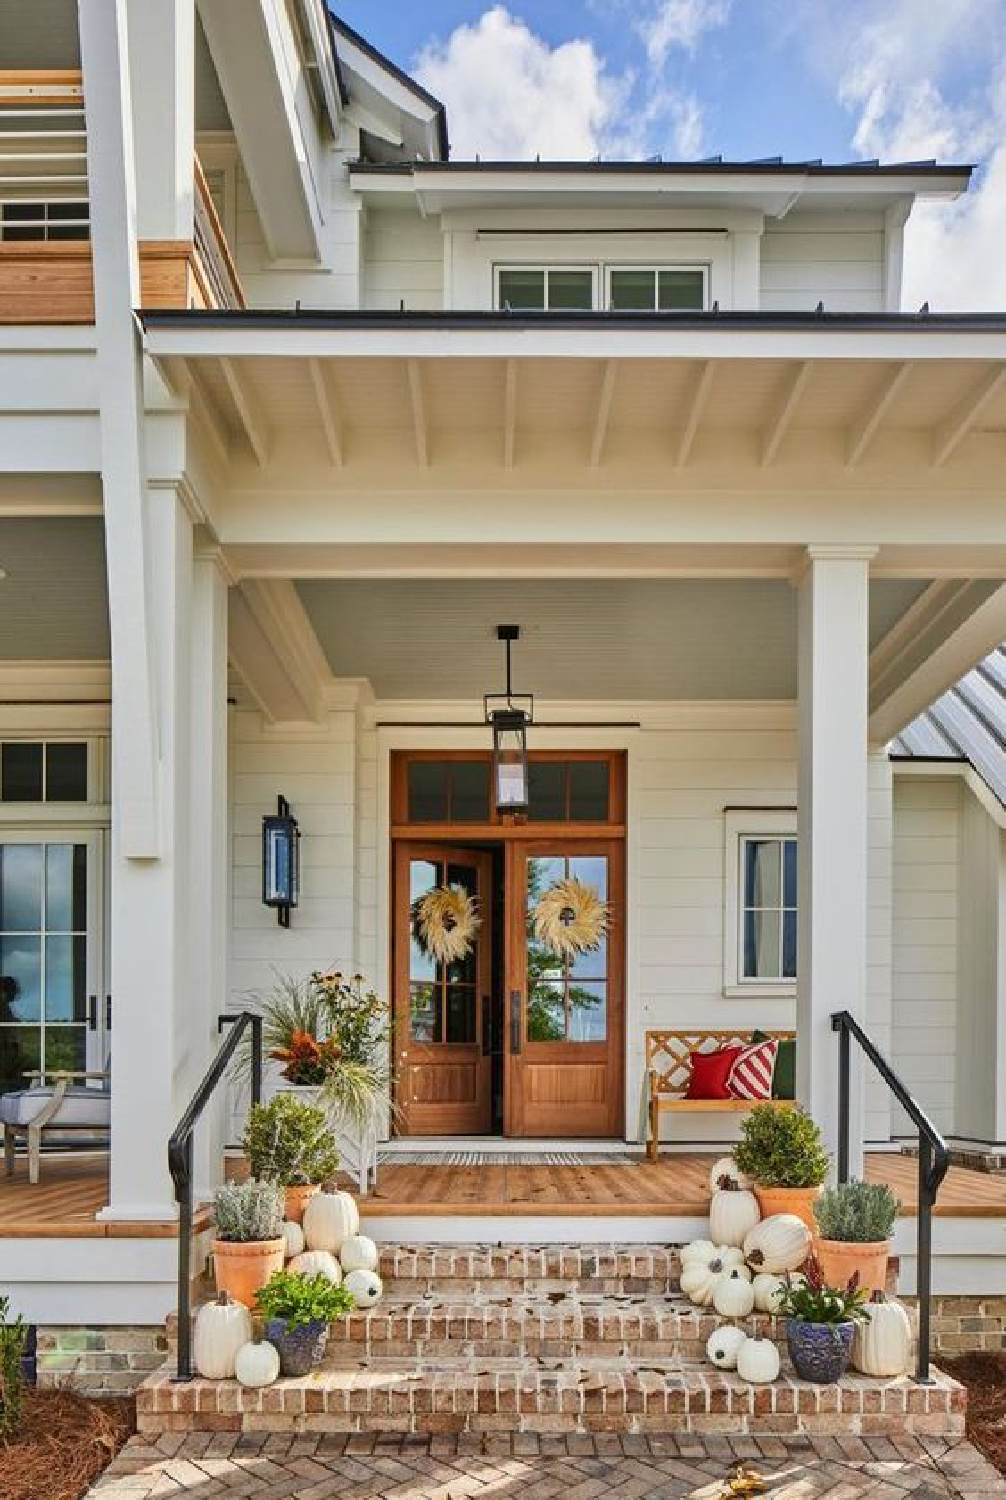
(777,429)
(955,429)
(509,413)
(327,411)
(252,419)
(274,649)
(921,616)
(974,638)
(207,413)
(603,412)
(419,414)
(864,431)
(696,407)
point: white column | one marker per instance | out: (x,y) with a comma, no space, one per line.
(832,823)
(162,67)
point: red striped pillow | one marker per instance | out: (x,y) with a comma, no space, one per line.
(751,1075)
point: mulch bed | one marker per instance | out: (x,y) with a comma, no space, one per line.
(985,1377)
(64,1443)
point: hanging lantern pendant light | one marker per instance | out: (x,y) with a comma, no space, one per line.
(509,717)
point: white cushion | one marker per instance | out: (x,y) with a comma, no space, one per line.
(80,1106)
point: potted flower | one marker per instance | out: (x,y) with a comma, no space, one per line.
(782,1151)
(290,1142)
(855,1221)
(820,1324)
(298,1311)
(249,1245)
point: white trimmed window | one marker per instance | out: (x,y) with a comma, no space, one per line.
(546,288)
(656,288)
(759,945)
(626,288)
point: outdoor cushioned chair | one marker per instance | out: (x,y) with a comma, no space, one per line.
(64,1103)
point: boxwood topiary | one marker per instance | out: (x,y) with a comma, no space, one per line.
(781,1148)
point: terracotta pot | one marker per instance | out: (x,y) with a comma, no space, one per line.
(295,1200)
(841,1259)
(788,1200)
(244,1268)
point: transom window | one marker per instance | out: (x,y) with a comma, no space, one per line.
(32,771)
(656,288)
(457,789)
(760,918)
(618,288)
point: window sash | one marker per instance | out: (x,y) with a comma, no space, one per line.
(546,271)
(760,910)
(657,271)
(601,273)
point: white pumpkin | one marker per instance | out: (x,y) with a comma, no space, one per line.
(293,1239)
(359,1254)
(696,1250)
(221,1329)
(733,1213)
(726,1167)
(317,1263)
(723,1345)
(256,1364)
(882,1344)
(768,1289)
(779,1243)
(330,1218)
(699,1277)
(758,1361)
(366,1287)
(733,1294)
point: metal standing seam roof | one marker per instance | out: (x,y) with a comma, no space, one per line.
(967,723)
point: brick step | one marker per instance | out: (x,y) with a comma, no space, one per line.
(604,1268)
(468,1393)
(523,1323)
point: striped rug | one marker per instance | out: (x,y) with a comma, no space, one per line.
(391,1157)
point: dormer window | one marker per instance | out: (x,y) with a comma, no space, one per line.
(656,288)
(546,288)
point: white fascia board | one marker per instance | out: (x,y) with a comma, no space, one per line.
(316,21)
(603,341)
(384,83)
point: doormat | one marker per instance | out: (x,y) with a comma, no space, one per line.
(392,1158)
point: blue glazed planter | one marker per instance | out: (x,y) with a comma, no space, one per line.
(299,1348)
(819,1351)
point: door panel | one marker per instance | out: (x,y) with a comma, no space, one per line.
(442,1070)
(566,1016)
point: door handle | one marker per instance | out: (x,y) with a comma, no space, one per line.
(516,1027)
(92,1012)
(487,1026)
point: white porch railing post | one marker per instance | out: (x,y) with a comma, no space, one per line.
(832,824)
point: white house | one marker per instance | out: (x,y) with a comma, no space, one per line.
(294,412)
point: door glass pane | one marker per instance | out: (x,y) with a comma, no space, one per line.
(633,291)
(588,791)
(21,888)
(464,970)
(424,1013)
(461,1013)
(424,874)
(21,976)
(66,773)
(587,1011)
(570,289)
(680,289)
(547,791)
(20,1051)
(427,791)
(592,870)
(21,772)
(546,1008)
(66,887)
(470,791)
(65,1048)
(65,979)
(522,290)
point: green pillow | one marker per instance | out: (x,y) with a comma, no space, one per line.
(784,1077)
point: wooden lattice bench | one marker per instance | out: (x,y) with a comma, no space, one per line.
(668,1069)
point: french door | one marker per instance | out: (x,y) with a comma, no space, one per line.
(53,1002)
(442,1009)
(565,1015)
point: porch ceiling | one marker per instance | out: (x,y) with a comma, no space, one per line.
(53,597)
(628,640)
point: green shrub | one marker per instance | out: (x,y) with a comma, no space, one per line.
(249,1211)
(857,1212)
(290,1142)
(299,1300)
(781,1148)
(13,1341)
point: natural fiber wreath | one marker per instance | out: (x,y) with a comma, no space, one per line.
(444,923)
(570,918)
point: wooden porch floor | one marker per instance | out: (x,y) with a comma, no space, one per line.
(73,1189)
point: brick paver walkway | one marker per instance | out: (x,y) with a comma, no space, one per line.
(203,1466)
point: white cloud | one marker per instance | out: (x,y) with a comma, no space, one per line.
(679,23)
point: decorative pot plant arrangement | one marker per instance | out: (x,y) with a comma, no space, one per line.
(250,1244)
(290,1142)
(855,1222)
(298,1311)
(820,1325)
(782,1152)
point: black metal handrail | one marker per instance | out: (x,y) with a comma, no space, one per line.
(934,1160)
(180,1162)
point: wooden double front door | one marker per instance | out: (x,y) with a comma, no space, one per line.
(509,1039)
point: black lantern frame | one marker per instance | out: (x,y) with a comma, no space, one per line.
(509,715)
(281,861)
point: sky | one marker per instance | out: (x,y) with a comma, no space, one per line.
(838,79)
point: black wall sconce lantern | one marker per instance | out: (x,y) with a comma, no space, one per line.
(281,861)
(509,715)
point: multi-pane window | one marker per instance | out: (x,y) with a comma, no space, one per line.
(32,771)
(442,996)
(63,220)
(574,791)
(545,288)
(567,998)
(768,908)
(656,288)
(448,791)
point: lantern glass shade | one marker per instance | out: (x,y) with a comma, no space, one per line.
(280,861)
(510,778)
